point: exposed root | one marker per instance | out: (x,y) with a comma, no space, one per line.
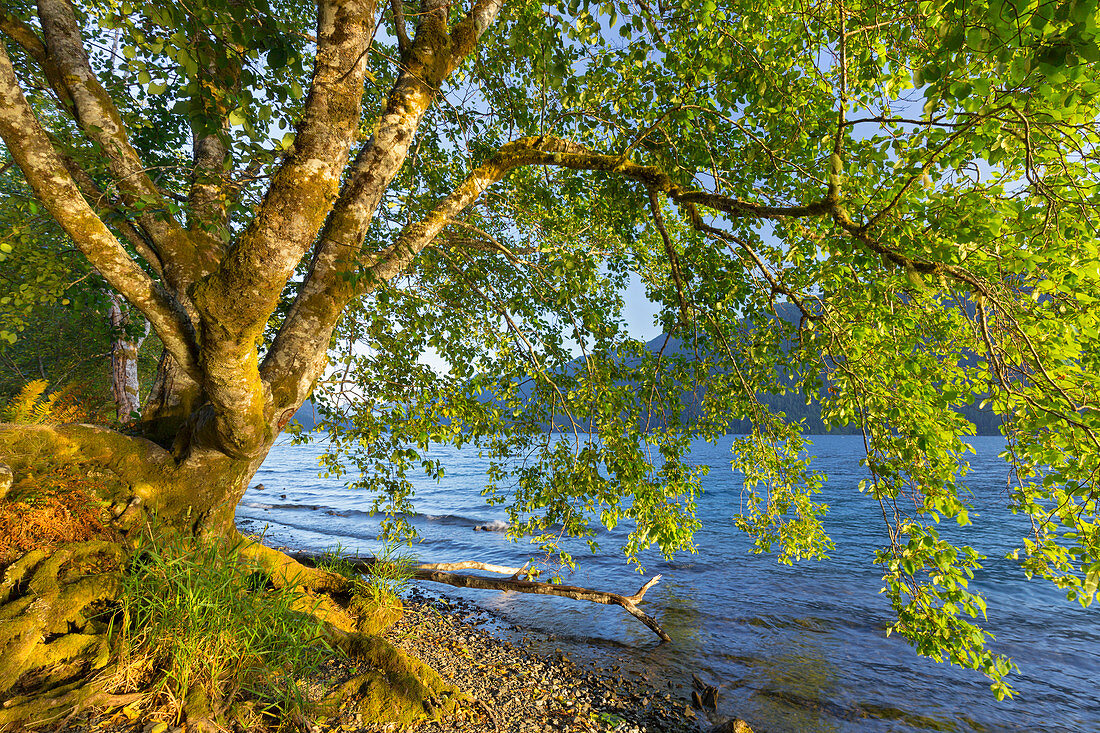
(45,708)
(325,609)
(398,688)
(51,639)
(286,571)
(199,711)
(375,614)
(55,658)
(47,599)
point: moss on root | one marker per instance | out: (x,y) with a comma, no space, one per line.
(55,653)
(375,613)
(396,688)
(56,657)
(53,636)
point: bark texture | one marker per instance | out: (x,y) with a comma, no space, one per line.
(124,363)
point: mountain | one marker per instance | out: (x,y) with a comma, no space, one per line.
(792,404)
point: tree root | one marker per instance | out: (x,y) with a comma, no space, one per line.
(397,688)
(55,658)
(44,708)
(49,602)
(51,641)
(286,571)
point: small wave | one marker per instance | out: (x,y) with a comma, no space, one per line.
(494,526)
(477,523)
(287,507)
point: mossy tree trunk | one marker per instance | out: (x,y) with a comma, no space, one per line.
(136,478)
(218,402)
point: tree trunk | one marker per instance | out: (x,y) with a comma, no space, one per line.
(173,399)
(124,366)
(214,410)
(135,477)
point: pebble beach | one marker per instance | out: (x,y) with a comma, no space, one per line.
(515,689)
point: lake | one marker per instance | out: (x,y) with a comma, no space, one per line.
(792,648)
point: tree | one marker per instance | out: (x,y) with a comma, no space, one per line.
(918,182)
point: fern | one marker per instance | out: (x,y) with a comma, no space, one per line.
(30,408)
(24,406)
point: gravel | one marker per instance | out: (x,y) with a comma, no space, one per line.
(516,690)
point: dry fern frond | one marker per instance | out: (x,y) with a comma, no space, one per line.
(29,407)
(24,406)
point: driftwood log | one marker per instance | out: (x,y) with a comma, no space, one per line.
(444,573)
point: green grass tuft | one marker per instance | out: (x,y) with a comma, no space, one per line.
(198,617)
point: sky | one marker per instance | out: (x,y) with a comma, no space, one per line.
(639,312)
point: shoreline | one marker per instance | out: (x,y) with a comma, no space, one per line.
(516,689)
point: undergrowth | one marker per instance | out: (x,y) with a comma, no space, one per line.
(197,618)
(49,507)
(32,406)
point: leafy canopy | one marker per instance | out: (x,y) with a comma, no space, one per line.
(888,209)
(952,261)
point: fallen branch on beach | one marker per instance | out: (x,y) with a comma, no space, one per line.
(443,573)
(473,565)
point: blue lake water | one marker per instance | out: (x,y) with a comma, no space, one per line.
(792,648)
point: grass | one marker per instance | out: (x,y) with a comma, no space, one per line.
(197,617)
(375,595)
(386,578)
(391,574)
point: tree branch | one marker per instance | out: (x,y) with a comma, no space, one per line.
(472,565)
(458,580)
(305,185)
(235,301)
(98,117)
(208,196)
(927,267)
(399,28)
(27,38)
(468,31)
(293,363)
(577,593)
(46,174)
(97,198)
(673,258)
(24,35)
